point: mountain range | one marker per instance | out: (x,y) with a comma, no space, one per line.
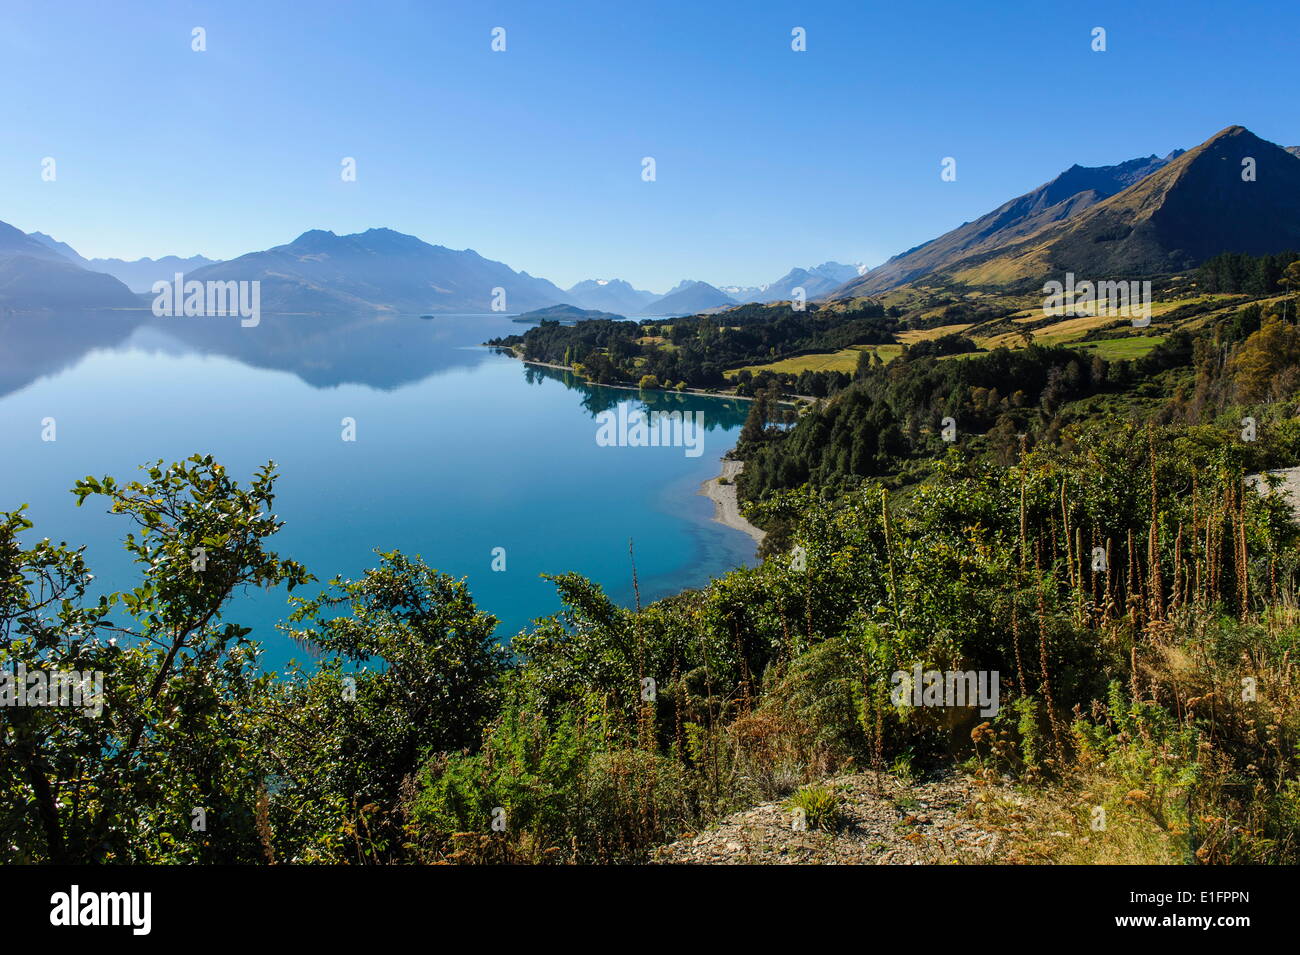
(1147,216)
(377,270)
(609,295)
(815,282)
(691,296)
(137,274)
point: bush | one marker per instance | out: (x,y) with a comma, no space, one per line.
(822,807)
(552,791)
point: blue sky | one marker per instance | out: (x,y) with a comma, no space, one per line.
(766,158)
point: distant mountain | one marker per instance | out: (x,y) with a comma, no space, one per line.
(380,270)
(1293,150)
(687,298)
(16,242)
(816,281)
(35,276)
(140,274)
(65,250)
(1071,193)
(609,295)
(744,293)
(137,274)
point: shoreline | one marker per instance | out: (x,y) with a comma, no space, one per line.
(726,505)
(699,392)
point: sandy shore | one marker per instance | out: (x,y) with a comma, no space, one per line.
(726,508)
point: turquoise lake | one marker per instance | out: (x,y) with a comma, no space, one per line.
(458,450)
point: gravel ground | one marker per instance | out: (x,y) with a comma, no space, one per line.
(1289,488)
(888,822)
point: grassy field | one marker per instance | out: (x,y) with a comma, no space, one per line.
(1119,349)
(846,360)
(1071,328)
(914,335)
(1068,331)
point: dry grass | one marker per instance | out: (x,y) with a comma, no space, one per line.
(1053,825)
(914,335)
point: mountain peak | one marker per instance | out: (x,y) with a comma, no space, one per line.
(1202,203)
(1228,132)
(1144,216)
(689,297)
(1072,192)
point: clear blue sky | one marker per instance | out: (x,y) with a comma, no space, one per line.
(767,158)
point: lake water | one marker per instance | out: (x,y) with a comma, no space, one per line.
(458,450)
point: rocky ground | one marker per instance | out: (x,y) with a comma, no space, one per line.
(887,822)
(1289,488)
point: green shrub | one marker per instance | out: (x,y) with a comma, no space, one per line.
(822,806)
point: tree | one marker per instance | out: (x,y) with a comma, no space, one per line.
(121,781)
(1290,280)
(412,670)
(755,427)
(1263,356)
(864,363)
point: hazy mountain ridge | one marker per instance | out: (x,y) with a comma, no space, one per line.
(67,251)
(35,276)
(138,275)
(609,295)
(816,281)
(689,297)
(381,270)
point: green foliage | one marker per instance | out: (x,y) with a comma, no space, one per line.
(411,670)
(893,413)
(1244,273)
(824,692)
(179,681)
(822,806)
(702,346)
